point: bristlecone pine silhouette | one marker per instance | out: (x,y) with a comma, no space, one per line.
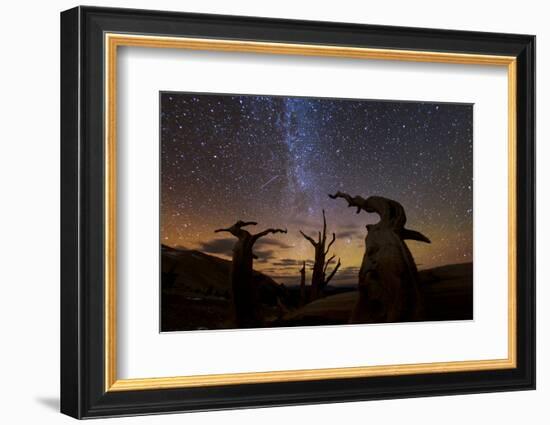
(245,294)
(303,284)
(319,280)
(388,278)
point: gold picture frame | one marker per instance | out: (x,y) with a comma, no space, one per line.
(114,41)
(91,40)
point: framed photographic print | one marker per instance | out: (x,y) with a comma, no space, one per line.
(261,212)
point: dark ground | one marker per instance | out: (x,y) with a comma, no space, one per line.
(196,295)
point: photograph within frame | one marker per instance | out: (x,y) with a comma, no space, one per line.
(250,237)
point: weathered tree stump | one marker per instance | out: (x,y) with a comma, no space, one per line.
(388,278)
(245,294)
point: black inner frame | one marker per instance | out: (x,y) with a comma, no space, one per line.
(82,212)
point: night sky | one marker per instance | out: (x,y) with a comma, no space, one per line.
(274,160)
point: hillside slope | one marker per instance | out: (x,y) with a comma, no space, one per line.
(196,291)
(448,293)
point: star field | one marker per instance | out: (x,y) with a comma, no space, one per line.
(274,160)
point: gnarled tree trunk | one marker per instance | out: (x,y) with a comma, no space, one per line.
(388,277)
(245,294)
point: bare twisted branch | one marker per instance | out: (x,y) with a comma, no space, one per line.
(310,239)
(328,279)
(267,232)
(355,201)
